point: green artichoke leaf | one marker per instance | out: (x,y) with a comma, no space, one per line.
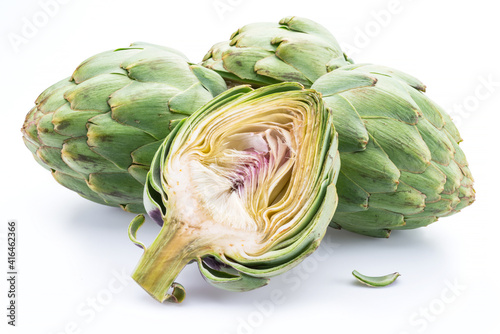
(450,127)
(376,281)
(209,79)
(134,226)
(141,160)
(46,132)
(115,141)
(30,128)
(454,176)
(431,182)
(242,65)
(293,52)
(79,185)
(405,199)
(189,100)
(144,105)
(371,169)
(52,156)
(378,103)
(355,136)
(245,186)
(71,123)
(53,94)
(429,110)
(106,185)
(373,219)
(33,147)
(306,26)
(103,63)
(99,88)
(459,157)
(342,81)
(155,65)
(441,147)
(77,155)
(403,144)
(228,278)
(142,156)
(53,98)
(277,69)
(352,198)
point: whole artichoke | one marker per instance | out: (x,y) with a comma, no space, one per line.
(402,167)
(296,49)
(245,186)
(401,164)
(98,131)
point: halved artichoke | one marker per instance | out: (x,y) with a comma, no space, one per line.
(245,187)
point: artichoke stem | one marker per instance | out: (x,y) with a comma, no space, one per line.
(162,262)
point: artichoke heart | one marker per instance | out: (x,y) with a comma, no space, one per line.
(245,187)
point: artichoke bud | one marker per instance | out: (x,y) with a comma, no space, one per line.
(99,130)
(295,49)
(402,167)
(245,187)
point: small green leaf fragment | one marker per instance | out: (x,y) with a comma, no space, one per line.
(376,281)
(178,293)
(134,226)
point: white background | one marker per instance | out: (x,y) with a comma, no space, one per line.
(71,250)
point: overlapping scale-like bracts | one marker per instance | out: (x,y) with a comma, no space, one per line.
(98,130)
(402,167)
(267,53)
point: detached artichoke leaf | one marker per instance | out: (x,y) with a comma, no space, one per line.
(245,187)
(376,281)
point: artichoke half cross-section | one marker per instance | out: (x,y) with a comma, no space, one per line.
(245,187)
